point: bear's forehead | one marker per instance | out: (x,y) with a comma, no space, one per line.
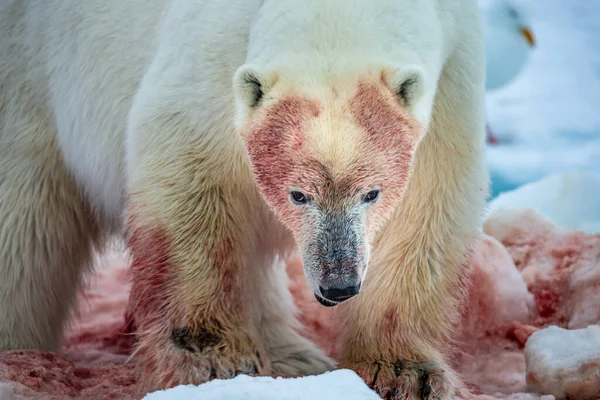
(337,144)
(331,120)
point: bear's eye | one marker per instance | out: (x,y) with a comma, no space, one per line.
(298,197)
(371,196)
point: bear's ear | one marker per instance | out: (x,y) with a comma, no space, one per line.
(405,83)
(249,85)
(407,89)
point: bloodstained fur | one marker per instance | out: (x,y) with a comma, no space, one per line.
(151,297)
(282,159)
(151,301)
(229,277)
(157,310)
(389,129)
(389,144)
(276,145)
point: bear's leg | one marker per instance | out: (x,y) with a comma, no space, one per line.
(193,222)
(290,352)
(46,232)
(399,329)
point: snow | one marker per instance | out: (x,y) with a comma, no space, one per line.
(558,266)
(565,363)
(340,384)
(570,199)
(499,289)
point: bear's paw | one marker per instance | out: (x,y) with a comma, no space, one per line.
(196,357)
(408,380)
(299,358)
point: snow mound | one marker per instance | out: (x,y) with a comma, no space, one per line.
(522,255)
(498,294)
(560,266)
(569,200)
(340,384)
(565,363)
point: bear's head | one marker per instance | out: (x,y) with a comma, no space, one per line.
(333,160)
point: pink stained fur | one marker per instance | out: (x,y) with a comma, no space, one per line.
(526,274)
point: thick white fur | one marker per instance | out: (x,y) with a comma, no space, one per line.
(100,96)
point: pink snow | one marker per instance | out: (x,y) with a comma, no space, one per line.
(527,274)
(564,362)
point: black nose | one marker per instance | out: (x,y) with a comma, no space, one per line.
(339,295)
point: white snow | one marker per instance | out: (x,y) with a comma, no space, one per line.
(340,384)
(564,362)
(570,199)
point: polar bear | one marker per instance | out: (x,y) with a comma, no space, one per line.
(219,137)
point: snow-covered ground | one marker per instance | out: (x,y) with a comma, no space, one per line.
(340,384)
(548,119)
(570,199)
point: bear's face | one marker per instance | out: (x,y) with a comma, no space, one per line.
(333,168)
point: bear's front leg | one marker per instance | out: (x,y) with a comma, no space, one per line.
(189,231)
(398,330)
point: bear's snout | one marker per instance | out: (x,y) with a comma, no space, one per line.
(336,260)
(339,288)
(340,294)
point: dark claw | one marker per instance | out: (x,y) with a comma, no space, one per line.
(375,375)
(426,390)
(425,386)
(398,367)
(383,392)
(258,357)
(248,368)
(213,373)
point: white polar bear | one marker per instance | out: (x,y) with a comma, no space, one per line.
(222,135)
